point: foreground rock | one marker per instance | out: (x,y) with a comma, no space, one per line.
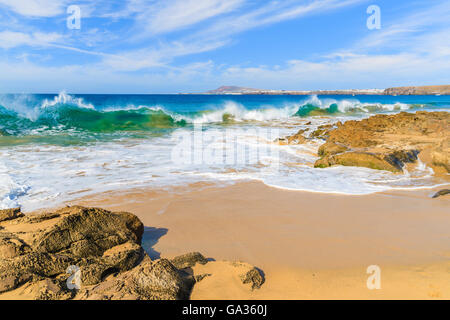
(95,251)
(388,142)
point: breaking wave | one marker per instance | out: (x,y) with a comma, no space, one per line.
(28,114)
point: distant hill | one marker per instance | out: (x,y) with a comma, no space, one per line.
(244,90)
(232,89)
(420,90)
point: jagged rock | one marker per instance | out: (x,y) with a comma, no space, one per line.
(297,138)
(189,260)
(36,252)
(11,246)
(330,148)
(441,193)
(387,142)
(254,277)
(357,159)
(68,235)
(400,157)
(322,131)
(9,214)
(101,243)
(442,158)
(151,280)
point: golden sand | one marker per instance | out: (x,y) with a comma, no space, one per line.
(309,245)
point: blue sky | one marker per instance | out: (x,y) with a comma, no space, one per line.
(170,46)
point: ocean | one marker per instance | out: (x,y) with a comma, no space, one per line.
(61,147)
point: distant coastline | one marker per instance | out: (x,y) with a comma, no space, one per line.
(415,90)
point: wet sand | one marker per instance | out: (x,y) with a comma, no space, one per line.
(309,245)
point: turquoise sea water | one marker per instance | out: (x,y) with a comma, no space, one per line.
(57,147)
(102,116)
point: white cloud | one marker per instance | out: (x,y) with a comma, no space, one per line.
(172,15)
(11,39)
(157,57)
(270,13)
(36,8)
(355,71)
(404,31)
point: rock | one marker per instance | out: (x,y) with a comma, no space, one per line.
(442,158)
(254,277)
(133,224)
(9,214)
(189,260)
(11,246)
(388,142)
(151,280)
(105,246)
(441,193)
(68,235)
(101,243)
(357,159)
(400,157)
(330,148)
(321,132)
(297,138)
(162,280)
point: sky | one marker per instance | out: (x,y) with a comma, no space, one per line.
(172,46)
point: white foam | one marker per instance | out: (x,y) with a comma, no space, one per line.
(42,176)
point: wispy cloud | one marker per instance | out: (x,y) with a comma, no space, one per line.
(173,15)
(162,44)
(35,8)
(10,39)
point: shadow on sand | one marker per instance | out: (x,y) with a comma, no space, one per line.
(150,239)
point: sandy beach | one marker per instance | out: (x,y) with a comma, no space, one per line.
(308,245)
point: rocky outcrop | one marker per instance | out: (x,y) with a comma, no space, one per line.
(254,277)
(9,214)
(44,255)
(388,142)
(189,260)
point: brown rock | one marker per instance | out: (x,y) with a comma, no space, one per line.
(297,138)
(387,142)
(9,214)
(254,277)
(356,159)
(36,251)
(330,148)
(188,260)
(101,243)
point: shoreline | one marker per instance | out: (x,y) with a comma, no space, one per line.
(294,236)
